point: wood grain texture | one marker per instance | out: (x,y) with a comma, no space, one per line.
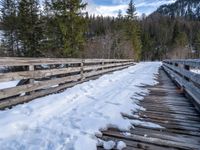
(168,107)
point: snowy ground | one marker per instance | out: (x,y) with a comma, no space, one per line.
(195,71)
(4,85)
(70,120)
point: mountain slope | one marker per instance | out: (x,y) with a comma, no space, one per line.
(189,9)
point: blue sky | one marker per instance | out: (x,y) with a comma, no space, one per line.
(111,7)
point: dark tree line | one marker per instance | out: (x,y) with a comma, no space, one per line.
(29,30)
(61,28)
(172,31)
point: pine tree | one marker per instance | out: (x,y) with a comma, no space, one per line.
(197,43)
(119,16)
(9,25)
(181,39)
(133,30)
(29,27)
(71,24)
(131,11)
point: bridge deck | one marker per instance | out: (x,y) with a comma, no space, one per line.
(168,107)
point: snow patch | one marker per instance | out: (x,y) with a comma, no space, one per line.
(146,124)
(121,145)
(9,84)
(108,145)
(195,71)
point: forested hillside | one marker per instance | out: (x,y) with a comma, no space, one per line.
(65,29)
(172,31)
(189,9)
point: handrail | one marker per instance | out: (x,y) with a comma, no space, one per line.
(23,61)
(180,71)
(42,76)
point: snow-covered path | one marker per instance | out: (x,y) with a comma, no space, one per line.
(70,120)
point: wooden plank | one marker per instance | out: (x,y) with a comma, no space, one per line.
(169,98)
(21,99)
(182,132)
(172,112)
(132,144)
(17,61)
(191,62)
(166,135)
(51,72)
(161,135)
(189,108)
(4,93)
(27,62)
(89,74)
(36,74)
(192,76)
(169,103)
(155,141)
(169,111)
(171,123)
(194,118)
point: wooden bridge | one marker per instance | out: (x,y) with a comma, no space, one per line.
(174,103)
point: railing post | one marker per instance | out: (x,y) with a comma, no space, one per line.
(31,68)
(82,69)
(102,63)
(31,81)
(187,67)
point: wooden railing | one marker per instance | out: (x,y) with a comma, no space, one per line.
(42,76)
(187,74)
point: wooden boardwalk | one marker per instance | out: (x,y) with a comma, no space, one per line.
(166,106)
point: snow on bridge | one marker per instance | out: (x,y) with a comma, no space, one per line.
(73,118)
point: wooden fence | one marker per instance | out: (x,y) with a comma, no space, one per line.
(42,76)
(184,72)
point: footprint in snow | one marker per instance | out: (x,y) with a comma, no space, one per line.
(91,97)
(84,90)
(112,103)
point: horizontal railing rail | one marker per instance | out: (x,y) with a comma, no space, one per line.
(42,76)
(187,74)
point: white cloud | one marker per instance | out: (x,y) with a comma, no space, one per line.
(154,4)
(112,10)
(142,6)
(120,1)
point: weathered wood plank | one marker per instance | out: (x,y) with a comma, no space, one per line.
(155,141)
(51,72)
(36,74)
(192,90)
(192,76)
(17,61)
(190,62)
(4,93)
(132,144)
(166,135)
